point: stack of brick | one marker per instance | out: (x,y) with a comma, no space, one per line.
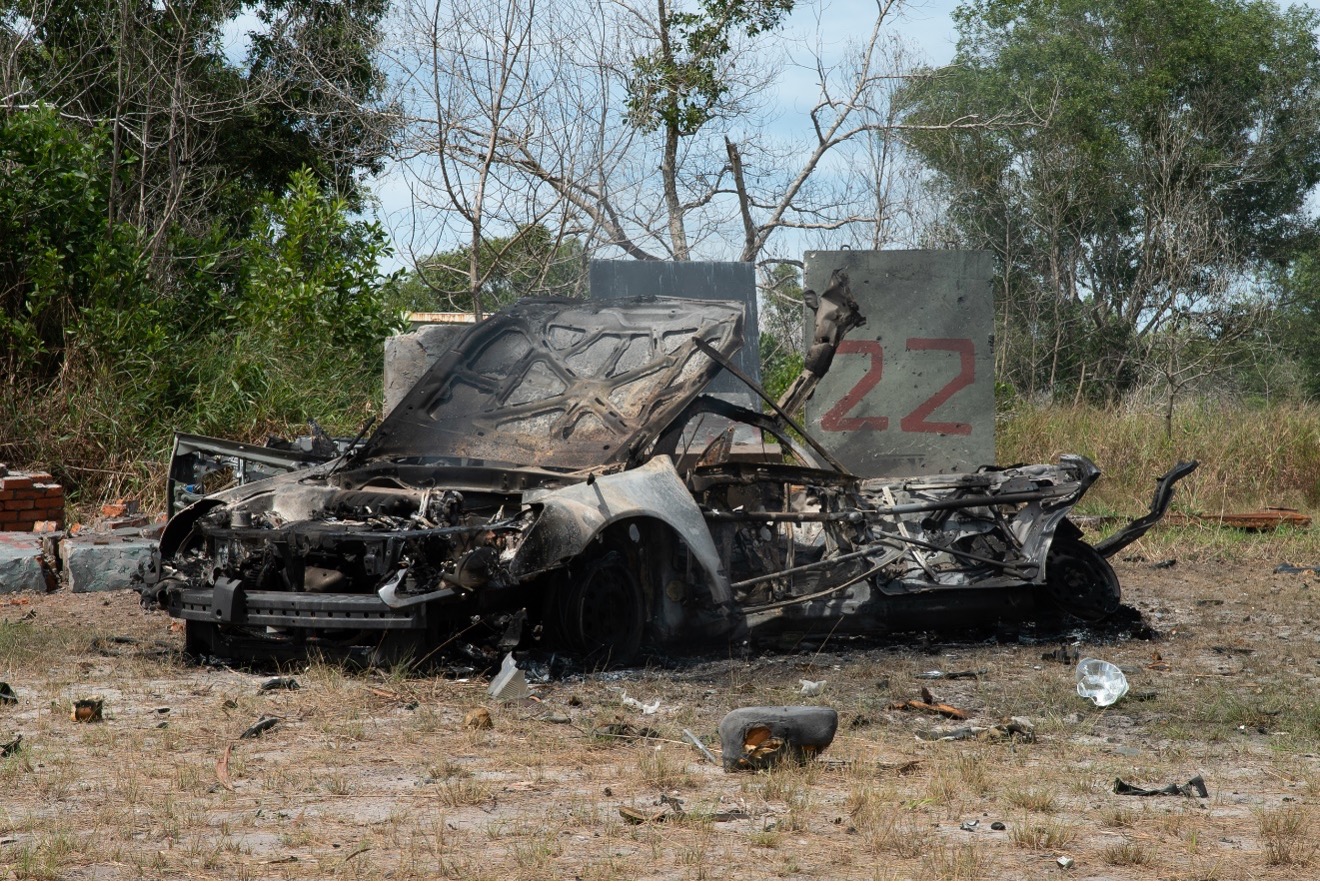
(30,499)
(122,514)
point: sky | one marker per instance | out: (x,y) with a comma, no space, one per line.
(926,25)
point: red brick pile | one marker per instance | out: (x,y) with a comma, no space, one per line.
(27,499)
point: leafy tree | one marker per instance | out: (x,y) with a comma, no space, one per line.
(59,256)
(311,276)
(530,262)
(1298,322)
(1159,153)
(198,136)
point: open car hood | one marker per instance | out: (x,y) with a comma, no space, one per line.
(562,383)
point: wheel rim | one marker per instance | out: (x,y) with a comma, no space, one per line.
(607,617)
(1080,581)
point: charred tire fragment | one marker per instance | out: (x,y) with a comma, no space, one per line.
(601,611)
(1080,581)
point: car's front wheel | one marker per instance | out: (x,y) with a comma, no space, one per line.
(601,610)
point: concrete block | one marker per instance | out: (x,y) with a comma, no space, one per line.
(20,563)
(408,356)
(912,392)
(101,562)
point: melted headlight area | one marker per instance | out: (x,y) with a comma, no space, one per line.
(367,559)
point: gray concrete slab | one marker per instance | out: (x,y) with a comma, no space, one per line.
(913,391)
(101,562)
(409,355)
(20,563)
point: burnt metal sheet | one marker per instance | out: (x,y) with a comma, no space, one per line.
(562,383)
(705,280)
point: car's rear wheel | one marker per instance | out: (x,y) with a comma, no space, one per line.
(1080,581)
(602,612)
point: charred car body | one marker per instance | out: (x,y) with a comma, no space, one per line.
(555,477)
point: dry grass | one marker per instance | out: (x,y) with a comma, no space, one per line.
(356,784)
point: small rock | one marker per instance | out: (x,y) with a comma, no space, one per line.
(998,826)
(478,718)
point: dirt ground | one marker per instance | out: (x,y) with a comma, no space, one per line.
(375,775)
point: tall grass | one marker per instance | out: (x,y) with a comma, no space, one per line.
(106,431)
(1251,456)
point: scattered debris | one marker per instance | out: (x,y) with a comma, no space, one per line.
(1100,681)
(647,708)
(1284,568)
(7,694)
(1231,650)
(478,718)
(633,815)
(11,747)
(1012,729)
(260,726)
(696,742)
(998,826)
(1063,655)
(812,687)
(754,738)
(275,683)
(671,808)
(1164,564)
(509,683)
(952,675)
(969,825)
(1213,602)
(87,710)
(1157,662)
(1195,787)
(222,768)
(1065,862)
(928,705)
(625,730)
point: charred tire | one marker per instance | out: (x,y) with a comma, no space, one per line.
(602,611)
(199,638)
(1079,581)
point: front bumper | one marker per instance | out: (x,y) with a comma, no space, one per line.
(226,604)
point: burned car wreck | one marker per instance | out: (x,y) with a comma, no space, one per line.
(562,476)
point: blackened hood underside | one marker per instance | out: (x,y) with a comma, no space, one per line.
(562,383)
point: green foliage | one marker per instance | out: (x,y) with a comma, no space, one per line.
(679,85)
(529,262)
(61,261)
(210,135)
(1142,155)
(1299,320)
(781,328)
(310,275)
